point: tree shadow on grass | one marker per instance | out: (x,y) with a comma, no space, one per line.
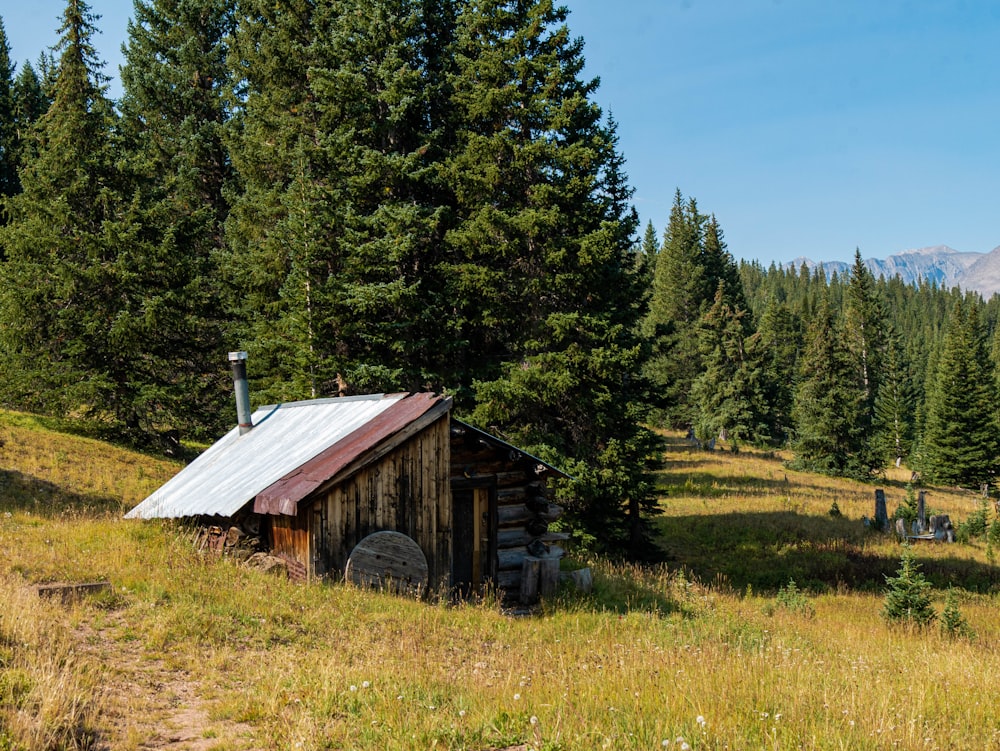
(764,550)
(21,492)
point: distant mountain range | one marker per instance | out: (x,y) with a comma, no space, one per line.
(978,272)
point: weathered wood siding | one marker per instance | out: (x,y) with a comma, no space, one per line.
(522,506)
(405,491)
(290,539)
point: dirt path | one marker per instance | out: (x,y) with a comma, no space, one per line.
(150,704)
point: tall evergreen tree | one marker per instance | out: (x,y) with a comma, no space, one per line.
(960,442)
(333,235)
(8,127)
(781,339)
(677,302)
(865,326)
(540,263)
(895,404)
(830,406)
(59,294)
(732,394)
(173,115)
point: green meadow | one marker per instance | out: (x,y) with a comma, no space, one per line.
(762,628)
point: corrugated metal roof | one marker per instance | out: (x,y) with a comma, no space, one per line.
(404,419)
(237,467)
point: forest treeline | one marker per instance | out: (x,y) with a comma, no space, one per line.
(423,194)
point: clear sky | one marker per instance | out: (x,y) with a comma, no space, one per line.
(807,127)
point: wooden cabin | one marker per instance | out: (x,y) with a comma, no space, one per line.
(379,488)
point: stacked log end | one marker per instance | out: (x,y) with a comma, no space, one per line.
(524,512)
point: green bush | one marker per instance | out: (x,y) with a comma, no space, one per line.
(975,526)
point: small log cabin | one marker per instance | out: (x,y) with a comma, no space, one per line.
(337,485)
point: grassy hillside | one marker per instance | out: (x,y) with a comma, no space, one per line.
(712,650)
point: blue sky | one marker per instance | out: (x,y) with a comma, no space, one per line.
(807,127)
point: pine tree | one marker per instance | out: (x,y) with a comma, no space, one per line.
(781,341)
(830,406)
(865,326)
(9,184)
(678,300)
(960,443)
(333,238)
(731,394)
(59,294)
(907,598)
(540,263)
(895,404)
(173,115)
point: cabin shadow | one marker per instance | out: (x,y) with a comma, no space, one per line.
(21,492)
(765,550)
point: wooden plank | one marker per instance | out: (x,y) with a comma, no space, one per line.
(513,537)
(511,558)
(514,515)
(72,592)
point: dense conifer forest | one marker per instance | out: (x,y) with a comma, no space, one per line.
(407,195)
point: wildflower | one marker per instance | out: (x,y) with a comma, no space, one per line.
(365,684)
(533,720)
(666,742)
(353,687)
(685,746)
(700,720)
(517,697)
(461,713)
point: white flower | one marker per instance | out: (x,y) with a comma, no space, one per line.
(666,742)
(700,720)
(365,684)
(685,746)
(533,720)
(517,697)
(354,688)
(461,713)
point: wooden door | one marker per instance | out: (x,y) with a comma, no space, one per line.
(474,543)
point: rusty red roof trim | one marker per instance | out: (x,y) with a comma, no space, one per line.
(283,496)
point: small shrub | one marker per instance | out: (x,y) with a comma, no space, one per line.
(993,534)
(793,599)
(953,623)
(835,511)
(908,598)
(975,525)
(907,510)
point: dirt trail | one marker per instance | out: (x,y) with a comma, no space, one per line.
(150,704)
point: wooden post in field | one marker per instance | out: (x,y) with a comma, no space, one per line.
(530,575)
(921,513)
(881,515)
(548,576)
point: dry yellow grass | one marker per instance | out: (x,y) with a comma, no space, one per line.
(227,658)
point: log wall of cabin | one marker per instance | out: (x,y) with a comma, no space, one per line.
(404,491)
(523,507)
